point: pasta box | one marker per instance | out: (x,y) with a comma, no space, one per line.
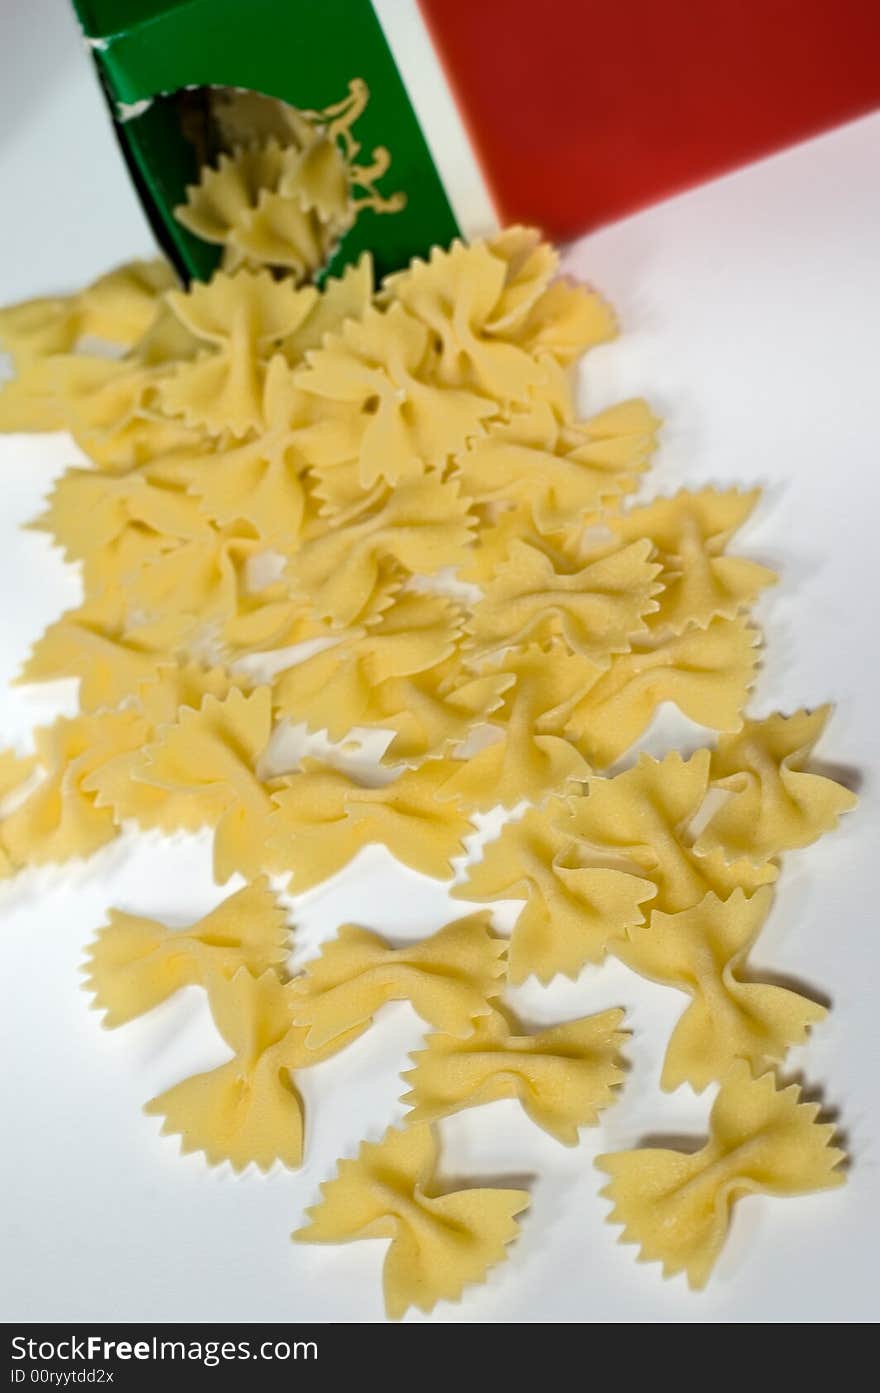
(566,115)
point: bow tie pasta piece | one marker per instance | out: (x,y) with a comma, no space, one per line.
(706,673)
(88,511)
(572,913)
(319,195)
(118,783)
(317,177)
(563,1077)
(329,690)
(87,644)
(774,805)
(241,317)
(422,525)
(449,979)
(596,609)
(336,689)
(401,422)
(34,330)
(531,265)
(119,307)
(564,322)
(61,818)
(676,1206)
(528,762)
(640,818)
(432,711)
(248,1110)
(134,964)
(260,481)
(324,818)
(563,475)
(289,186)
(231,188)
(343,297)
(497,529)
(703,951)
(111,408)
(690,533)
(439,1244)
(204,594)
(211,755)
(456,295)
(282,231)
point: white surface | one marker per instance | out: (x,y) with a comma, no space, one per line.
(749,312)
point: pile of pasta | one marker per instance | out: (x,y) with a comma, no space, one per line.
(376,513)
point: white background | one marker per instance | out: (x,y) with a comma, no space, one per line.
(750,312)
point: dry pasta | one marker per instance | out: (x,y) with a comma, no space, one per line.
(376,511)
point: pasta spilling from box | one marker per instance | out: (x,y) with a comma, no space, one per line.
(376,513)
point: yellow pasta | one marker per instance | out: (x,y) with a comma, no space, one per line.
(422,525)
(690,532)
(354,509)
(231,188)
(703,951)
(707,674)
(247,1111)
(774,804)
(641,817)
(596,608)
(676,1205)
(260,482)
(563,1076)
(439,1243)
(239,317)
(323,818)
(400,420)
(284,200)
(429,712)
(135,964)
(529,761)
(449,979)
(61,818)
(87,512)
(564,471)
(572,913)
(15,771)
(457,294)
(336,688)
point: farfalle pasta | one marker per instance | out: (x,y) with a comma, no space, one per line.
(562,1077)
(703,951)
(774,804)
(375,514)
(640,818)
(238,319)
(762,1140)
(439,1243)
(690,533)
(573,912)
(595,609)
(422,525)
(706,673)
(449,979)
(285,198)
(134,964)
(246,1111)
(528,761)
(323,818)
